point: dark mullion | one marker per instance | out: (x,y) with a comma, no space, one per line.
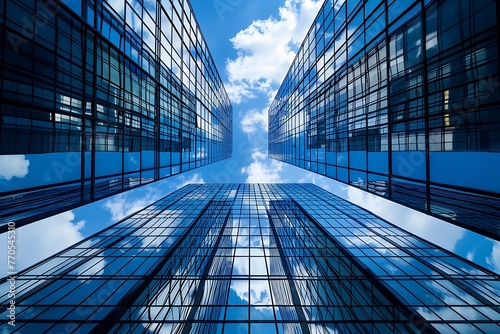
(85,259)
(122,305)
(289,277)
(414,317)
(426,111)
(201,287)
(387,47)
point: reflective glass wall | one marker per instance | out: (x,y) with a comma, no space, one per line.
(399,98)
(254,258)
(98,97)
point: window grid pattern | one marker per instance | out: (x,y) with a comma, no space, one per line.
(104,96)
(389,96)
(251,258)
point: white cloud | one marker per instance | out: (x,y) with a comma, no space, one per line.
(93,266)
(270,96)
(494,259)
(266,49)
(44,238)
(432,229)
(201,153)
(166,295)
(125,204)
(258,294)
(254,120)
(13,166)
(237,90)
(451,294)
(196,178)
(319,180)
(263,169)
(117,5)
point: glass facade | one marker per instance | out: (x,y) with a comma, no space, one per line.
(254,258)
(98,97)
(400,98)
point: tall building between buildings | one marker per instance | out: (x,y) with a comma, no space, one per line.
(400,98)
(97,97)
(254,258)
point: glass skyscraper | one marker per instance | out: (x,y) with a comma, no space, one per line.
(254,258)
(400,98)
(100,96)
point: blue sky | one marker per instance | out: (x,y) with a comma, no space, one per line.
(253,44)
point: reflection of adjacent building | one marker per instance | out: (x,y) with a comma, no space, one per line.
(44,202)
(388,93)
(315,258)
(133,94)
(464,209)
(128,182)
(254,258)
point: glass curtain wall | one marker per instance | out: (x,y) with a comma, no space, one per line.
(98,97)
(399,98)
(254,258)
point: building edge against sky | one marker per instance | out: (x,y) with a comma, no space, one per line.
(400,98)
(98,97)
(255,258)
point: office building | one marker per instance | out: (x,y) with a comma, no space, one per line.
(97,97)
(400,98)
(254,258)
